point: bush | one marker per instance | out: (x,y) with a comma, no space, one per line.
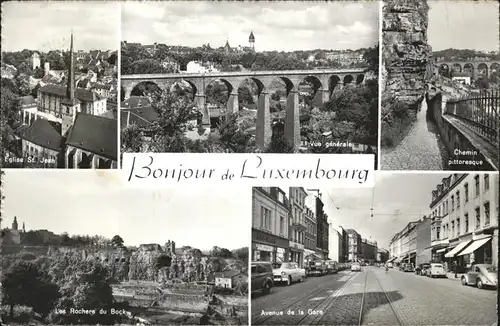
(396,122)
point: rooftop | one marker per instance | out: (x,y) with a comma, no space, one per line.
(141,117)
(95,134)
(44,133)
(80,93)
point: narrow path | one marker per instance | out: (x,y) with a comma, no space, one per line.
(421,149)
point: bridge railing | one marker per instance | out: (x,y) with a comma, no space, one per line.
(480,112)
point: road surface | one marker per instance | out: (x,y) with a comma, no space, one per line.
(393,298)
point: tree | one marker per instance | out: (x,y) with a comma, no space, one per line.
(241,254)
(117,241)
(24,284)
(371,57)
(132,139)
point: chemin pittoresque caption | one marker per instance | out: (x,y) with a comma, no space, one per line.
(335,170)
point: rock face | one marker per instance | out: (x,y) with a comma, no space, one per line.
(143,262)
(405,51)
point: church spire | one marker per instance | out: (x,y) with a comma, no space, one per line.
(70,88)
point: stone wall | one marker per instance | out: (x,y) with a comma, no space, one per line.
(405,52)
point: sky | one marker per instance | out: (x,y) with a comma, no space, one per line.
(44,25)
(463,25)
(281,26)
(96,203)
(397,200)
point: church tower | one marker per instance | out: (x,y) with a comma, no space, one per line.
(70,106)
(251,41)
(14,224)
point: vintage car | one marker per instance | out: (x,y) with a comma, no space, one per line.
(481,275)
(436,270)
(408,268)
(288,273)
(422,269)
(316,267)
(261,276)
(355,267)
(331,267)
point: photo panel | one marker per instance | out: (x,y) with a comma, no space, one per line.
(440,85)
(101,253)
(377,256)
(59,84)
(237,77)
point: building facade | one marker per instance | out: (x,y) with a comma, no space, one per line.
(322,229)
(310,233)
(270,209)
(297,225)
(382,255)
(424,251)
(369,250)
(354,246)
(335,243)
(464,227)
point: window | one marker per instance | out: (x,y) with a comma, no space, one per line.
(452,228)
(486,182)
(458,199)
(486,214)
(438,229)
(452,203)
(265,218)
(478,217)
(281,198)
(476,180)
(466,216)
(466,192)
(458,226)
(282,224)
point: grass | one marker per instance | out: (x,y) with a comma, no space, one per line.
(397,120)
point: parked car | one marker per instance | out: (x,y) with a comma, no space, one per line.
(288,273)
(426,270)
(421,269)
(355,267)
(316,267)
(331,267)
(481,275)
(261,276)
(436,270)
(408,268)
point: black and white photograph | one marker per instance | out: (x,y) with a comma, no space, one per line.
(377,256)
(237,77)
(93,252)
(440,85)
(59,84)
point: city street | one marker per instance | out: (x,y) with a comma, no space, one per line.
(395,298)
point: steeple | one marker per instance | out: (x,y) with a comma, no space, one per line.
(70,88)
(24,228)
(14,224)
(251,38)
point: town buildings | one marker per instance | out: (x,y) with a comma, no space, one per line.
(464,227)
(411,244)
(310,233)
(368,250)
(382,255)
(322,228)
(69,127)
(335,243)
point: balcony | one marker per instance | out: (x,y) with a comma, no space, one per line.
(298,226)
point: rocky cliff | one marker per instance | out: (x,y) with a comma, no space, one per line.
(405,54)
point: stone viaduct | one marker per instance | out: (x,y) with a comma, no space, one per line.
(474,67)
(324,83)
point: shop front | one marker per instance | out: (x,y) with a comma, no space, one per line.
(269,247)
(455,262)
(297,253)
(480,251)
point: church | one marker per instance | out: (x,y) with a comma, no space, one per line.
(69,127)
(249,48)
(13,235)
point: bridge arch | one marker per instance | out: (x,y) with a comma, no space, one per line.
(348,79)
(495,68)
(144,87)
(334,82)
(360,78)
(469,68)
(444,69)
(482,70)
(312,92)
(456,67)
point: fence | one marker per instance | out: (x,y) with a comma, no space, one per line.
(480,112)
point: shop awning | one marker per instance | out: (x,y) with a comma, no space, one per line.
(398,259)
(474,246)
(312,257)
(457,249)
(441,250)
